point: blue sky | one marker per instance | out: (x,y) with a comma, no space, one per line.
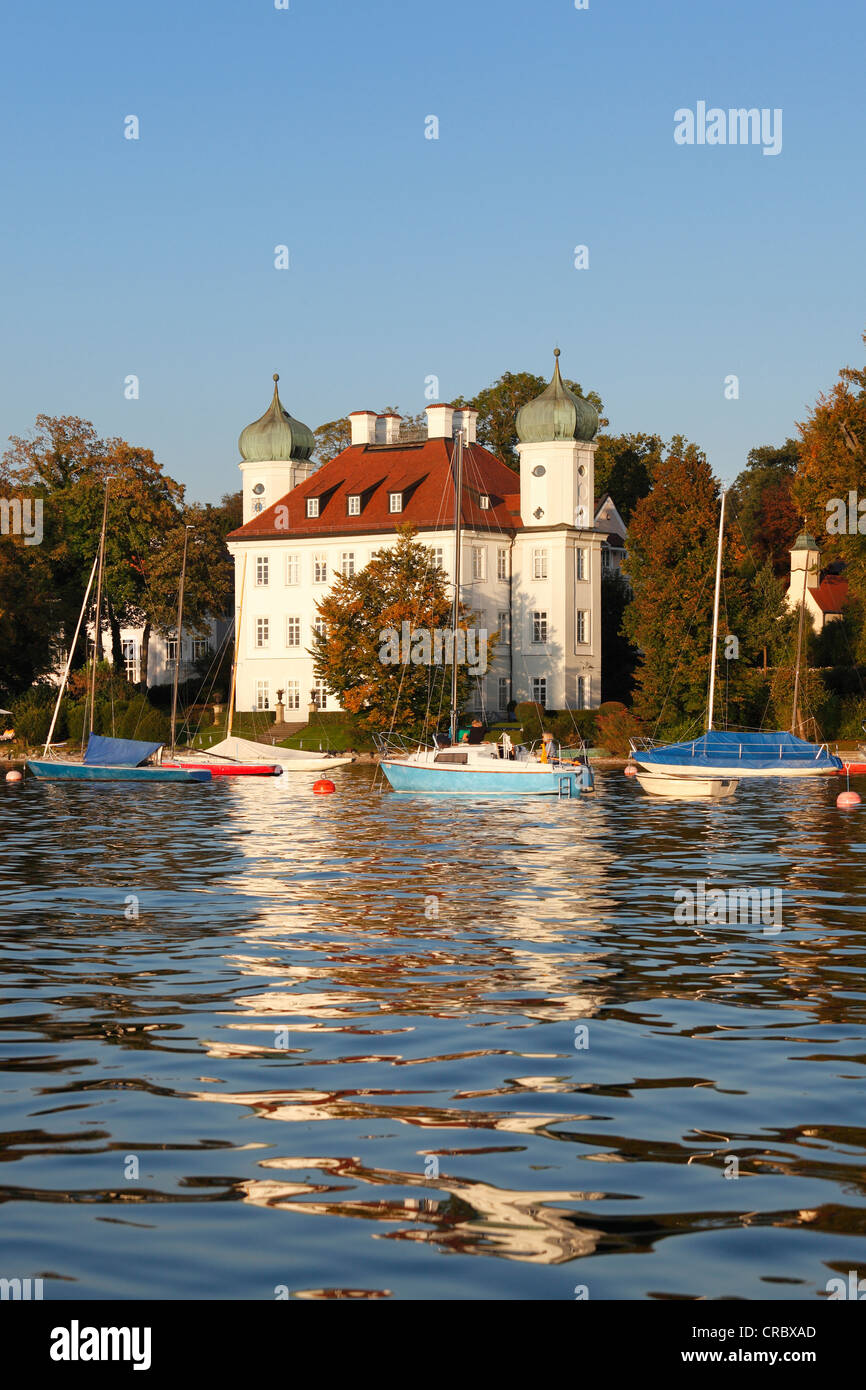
(412,257)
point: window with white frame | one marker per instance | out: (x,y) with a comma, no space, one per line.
(502,564)
(293,695)
(200,648)
(170,651)
(539,627)
(504,693)
(395,501)
(539,564)
(348,563)
(580,563)
(353,504)
(320,628)
(605,557)
(263,699)
(539,691)
(581,692)
(262,571)
(130,665)
(320,696)
(438,554)
(503,624)
(263,628)
(320,569)
(479,567)
(293,632)
(581,626)
(484,502)
(293,569)
(312,506)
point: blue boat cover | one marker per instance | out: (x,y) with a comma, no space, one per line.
(117,752)
(726,747)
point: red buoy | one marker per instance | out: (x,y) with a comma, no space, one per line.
(324,787)
(846,801)
(630,770)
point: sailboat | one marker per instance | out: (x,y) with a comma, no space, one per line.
(105,759)
(480,769)
(241,757)
(727,753)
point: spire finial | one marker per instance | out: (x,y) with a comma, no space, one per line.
(556,352)
(276,376)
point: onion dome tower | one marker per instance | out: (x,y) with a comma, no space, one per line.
(557,433)
(275,456)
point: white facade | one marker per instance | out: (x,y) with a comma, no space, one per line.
(162,652)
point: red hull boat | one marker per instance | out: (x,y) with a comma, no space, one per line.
(231,769)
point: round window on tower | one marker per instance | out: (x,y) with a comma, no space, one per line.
(259,489)
(539,470)
(581,470)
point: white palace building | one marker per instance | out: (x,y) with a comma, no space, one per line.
(533,545)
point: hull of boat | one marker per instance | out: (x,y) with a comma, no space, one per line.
(732,769)
(688,788)
(472,781)
(230,769)
(50,771)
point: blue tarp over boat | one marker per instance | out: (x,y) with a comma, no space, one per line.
(752,752)
(117,752)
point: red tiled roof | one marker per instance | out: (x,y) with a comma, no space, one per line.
(831,594)
(422,472)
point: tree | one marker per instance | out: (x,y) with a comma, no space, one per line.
(671,557)
(27,615)
(332,438)
(401,584)
(498,404)
(832,466)
(619,656)
(623,468)
(762,504)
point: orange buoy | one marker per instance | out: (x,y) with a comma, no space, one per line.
(324,787)
(630,770)
(14,776)
(847,800)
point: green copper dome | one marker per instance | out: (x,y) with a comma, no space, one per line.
(556,414)
(805,542)
(276,435)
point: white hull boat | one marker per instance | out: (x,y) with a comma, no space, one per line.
(687,788)
(245,750)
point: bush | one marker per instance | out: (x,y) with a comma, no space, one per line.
(31,715)
(530,716)
(616,726)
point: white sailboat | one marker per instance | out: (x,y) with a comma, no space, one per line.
(732,754)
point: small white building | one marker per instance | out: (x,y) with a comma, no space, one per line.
(162,652)
(531,559)
(825,598)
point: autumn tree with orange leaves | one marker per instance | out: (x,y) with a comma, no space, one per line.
(401,584)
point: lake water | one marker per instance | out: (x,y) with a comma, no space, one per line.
(425,1049)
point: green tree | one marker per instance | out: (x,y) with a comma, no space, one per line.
(332,438)
(761,505)
(498,404)
(619,656)
(623,468)
(400,584)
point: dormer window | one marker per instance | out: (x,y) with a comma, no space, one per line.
(484,502)
(354,504)
(312,506)
(395,501)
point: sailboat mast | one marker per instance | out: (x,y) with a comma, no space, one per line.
(716,616)
(794,709)
(455,614)
(62,691)
(238,622)
(97,630)
(186,532)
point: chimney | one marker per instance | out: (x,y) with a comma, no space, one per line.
(389,425)
(363,424)
(466,420)
(440,421)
